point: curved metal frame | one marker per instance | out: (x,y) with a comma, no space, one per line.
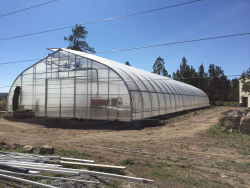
(158,84)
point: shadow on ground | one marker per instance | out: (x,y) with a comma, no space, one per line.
(82,124)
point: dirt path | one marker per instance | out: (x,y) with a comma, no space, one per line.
(176,138)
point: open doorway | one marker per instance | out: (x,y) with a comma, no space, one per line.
(244,101)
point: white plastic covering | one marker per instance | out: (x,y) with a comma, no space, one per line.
(70,83)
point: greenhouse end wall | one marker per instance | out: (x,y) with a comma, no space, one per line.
(67,85)
(70,83)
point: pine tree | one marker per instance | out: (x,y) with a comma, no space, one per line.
(218,84)
(127,63)
(77,40)
(245,79)
(159,67)
(233,94)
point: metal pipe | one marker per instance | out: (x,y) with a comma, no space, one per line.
(79,160)
(26,154)
(88,172)
(56,170)
(26,181)
(26,158)
(13,168)
(32,163)
(116,176)
(48,177)
(89,165)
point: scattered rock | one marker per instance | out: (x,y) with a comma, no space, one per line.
(224,176)
(47,149)
(245,125)
(230,120)
(230,130)
(224,130)
(104,182)
(28,149)
(2,143)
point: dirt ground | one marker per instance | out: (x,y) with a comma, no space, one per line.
(179,138)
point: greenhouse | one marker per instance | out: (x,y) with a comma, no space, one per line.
(69,83)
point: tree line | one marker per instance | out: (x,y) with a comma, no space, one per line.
(213,82)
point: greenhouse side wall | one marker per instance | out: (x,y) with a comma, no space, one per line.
(154,95)
(67,85)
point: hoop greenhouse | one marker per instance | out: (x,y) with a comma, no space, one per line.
(69,83)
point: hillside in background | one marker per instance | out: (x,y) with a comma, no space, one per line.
(3,94)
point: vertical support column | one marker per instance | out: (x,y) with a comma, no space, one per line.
(46,67)
(21,89)
(60,106)
(117,111)
(108,96)
(68,65)
(87,89)
(51,65)
(90,111)
(74,108)
(131,105)
(33,88)
(46,97)
(58,63)
(74,112)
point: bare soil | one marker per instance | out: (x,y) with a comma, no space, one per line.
(189,136)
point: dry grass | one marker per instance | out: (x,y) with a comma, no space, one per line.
(3,105)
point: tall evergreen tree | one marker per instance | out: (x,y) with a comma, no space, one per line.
(218,84)
(177,75)
(233,94)
(77,40)
(159,67)
(245,79)
(184,69)
(202,81)
(186,73)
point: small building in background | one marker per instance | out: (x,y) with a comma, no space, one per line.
(244,97)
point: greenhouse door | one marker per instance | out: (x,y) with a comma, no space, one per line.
(60,101)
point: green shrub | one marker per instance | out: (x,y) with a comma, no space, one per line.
(127,161)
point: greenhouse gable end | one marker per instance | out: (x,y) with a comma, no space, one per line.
(70,83)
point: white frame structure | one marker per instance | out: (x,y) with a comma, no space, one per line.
(69,83)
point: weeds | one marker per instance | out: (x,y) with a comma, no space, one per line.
(241,169)
(221,183)
(113,184)
(73,153)
(49,181)
(230,161)
(217,130)
(127,161)
(173,160)
(162,164)
(60,175)
(165,175)
(190,180)
(148,164)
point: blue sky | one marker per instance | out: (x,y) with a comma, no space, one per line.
(207,18)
